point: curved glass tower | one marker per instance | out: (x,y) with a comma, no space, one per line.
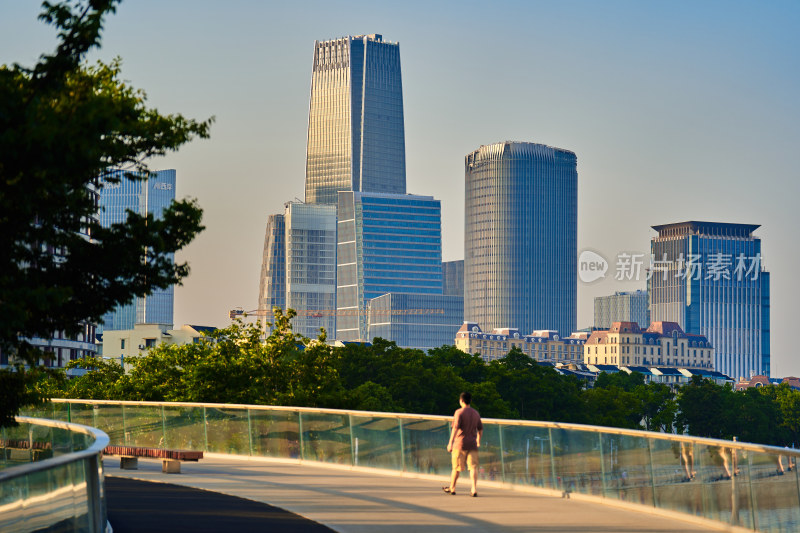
(356,137)
(520,237)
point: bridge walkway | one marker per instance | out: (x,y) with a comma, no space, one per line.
(351,501)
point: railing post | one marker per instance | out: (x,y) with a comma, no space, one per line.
(602,466)
(552,460)
(402,445)
(652,470)
(502,452)
(30,442)
(124,426)
(164,428)
(753,504)
(5,446)
(250,433)
(93,494)
(302,437)
(69,411)
(734,496)
(353,451)
(205,428)
(796,477)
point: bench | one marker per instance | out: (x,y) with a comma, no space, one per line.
(170,459)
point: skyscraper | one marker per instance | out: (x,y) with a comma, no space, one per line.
(311,266)
(298,268)
(151,196)
(387,243)
(708,277)
(356,139)
(272,285)
(520,249)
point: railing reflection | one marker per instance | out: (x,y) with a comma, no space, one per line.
(51,477)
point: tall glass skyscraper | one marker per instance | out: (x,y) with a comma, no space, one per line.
(520,242)
(708,277)
(272,284)
(311,267)
(299,267)
(152,196)
(386,243)
(356,139)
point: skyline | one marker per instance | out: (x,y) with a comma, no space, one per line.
(679,112)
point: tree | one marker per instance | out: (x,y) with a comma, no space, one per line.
(63,124)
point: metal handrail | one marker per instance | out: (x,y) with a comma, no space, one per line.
(763,448)
(101,440)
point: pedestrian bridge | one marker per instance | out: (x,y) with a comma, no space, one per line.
(323,463)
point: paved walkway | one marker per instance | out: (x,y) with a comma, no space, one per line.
(358,502)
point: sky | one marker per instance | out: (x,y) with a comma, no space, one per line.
(677,111)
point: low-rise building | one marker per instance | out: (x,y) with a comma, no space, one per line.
(663,344)
(540,345)
(762,381)
(126,343)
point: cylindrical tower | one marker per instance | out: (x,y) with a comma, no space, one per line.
(520,237)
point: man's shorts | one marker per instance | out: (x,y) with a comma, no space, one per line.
(465,459)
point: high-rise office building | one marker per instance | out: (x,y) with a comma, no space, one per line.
(622,306)
(311,267)
(520,249)
(708,278)
(386,243)
(356,139)
(272,286)
(151,196)
(299,267)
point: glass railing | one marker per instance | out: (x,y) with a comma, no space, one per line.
(745,485)
(51,477)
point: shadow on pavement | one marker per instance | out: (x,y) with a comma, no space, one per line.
(135,506)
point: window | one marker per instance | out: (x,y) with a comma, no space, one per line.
(149,343)
(122,344)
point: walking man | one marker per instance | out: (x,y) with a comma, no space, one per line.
(465,439)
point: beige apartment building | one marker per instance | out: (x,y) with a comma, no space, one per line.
(663,344)
(126,343)
(540,345)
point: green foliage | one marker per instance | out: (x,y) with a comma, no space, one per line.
(238,365)
(64,123)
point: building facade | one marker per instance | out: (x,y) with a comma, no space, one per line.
(145,197)
(356,135)
(386,243)
(708,278)
(520,250)
(311,267)
(413,320)
(122,345)
(298,269)
(663,344)
(272,283)
(453,278)
(544,346)
(621,307)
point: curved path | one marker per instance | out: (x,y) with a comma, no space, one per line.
(355,501)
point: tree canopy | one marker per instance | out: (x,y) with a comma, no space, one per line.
(63,125)
(237,365)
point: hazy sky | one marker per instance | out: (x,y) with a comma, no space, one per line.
(676,111)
